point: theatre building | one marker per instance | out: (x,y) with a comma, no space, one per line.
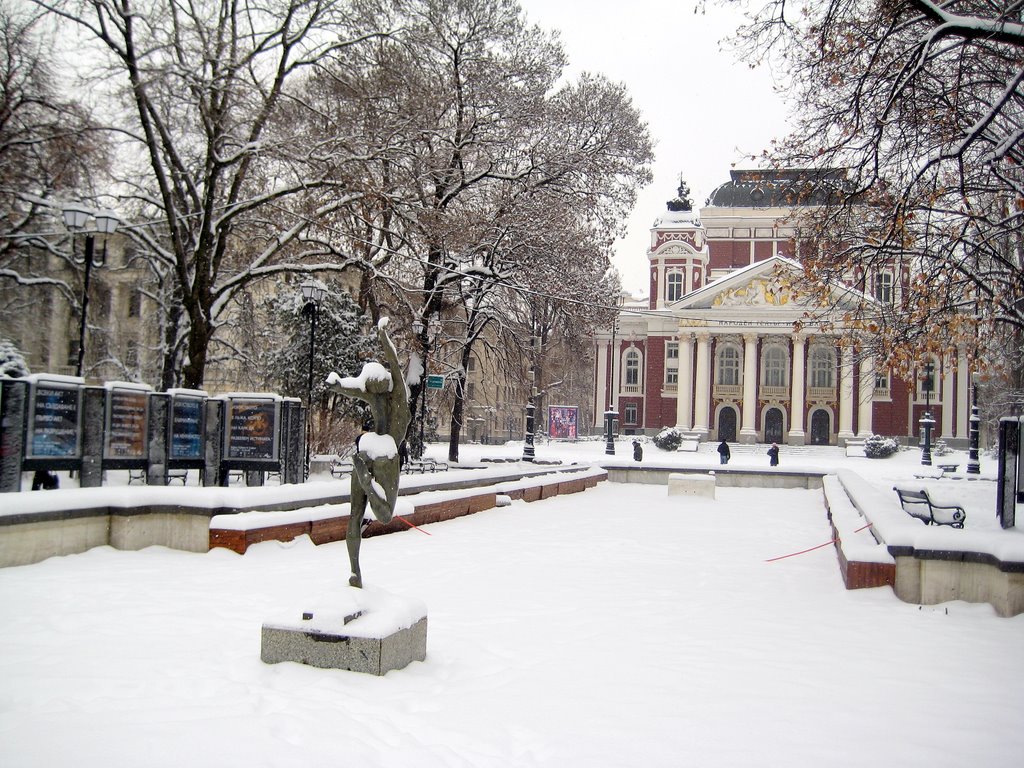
(714,350)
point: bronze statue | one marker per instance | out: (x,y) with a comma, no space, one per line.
(376,465)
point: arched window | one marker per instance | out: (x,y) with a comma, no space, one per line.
(631,361)
(823,367)
(728,366)
(775,367)
(673,286)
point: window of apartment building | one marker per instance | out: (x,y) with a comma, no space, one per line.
(471,391)
(673,286)
(134,304)
(775,367)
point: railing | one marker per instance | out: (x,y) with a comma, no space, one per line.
(631,389)
(727,390)
(777,393)
(821,393)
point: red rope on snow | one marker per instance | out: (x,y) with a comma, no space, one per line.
(811,549)
(413,526)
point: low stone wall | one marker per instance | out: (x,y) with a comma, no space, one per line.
(935,564)
(41,524)
(725,476)
(863,561)
(239,532)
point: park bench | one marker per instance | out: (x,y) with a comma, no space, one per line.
(139,476)
(423,466)
(341,468)
(947,469)
(918,504)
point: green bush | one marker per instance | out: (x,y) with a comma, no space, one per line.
(878,447)
(669,439)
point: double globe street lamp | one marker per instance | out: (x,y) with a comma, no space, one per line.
(76,217)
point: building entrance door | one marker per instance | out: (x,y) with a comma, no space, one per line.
(773,425)
(727,424)
(821,427)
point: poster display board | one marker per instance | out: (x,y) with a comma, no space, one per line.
(562,422)
(187,423)
(127,419)
(54,421)
(251,429)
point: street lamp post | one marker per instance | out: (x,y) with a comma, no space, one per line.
(421,330)
(312,293)
(75,218)
(973,434)
(927,422)
(611,414)
(528,447)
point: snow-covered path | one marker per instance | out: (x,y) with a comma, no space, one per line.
(614,628)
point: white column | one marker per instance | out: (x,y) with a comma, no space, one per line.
(702,391)
(601,374)
(865,395)
(948,407)
(684,389)
(845,394)
(748,432)
(796,417)
(963,394)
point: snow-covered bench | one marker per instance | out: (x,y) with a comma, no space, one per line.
(917,503)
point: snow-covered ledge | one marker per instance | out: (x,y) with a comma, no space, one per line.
(935,564)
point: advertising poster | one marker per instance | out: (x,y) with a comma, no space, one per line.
(55,422)
(252,430)
(562,422)
(127,412)
(186,428)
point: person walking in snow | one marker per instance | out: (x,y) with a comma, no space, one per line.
(773,455)
(723,452)
(638,451)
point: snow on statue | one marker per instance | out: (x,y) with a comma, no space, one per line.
(376,465)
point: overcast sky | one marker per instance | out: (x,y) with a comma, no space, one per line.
(704,110)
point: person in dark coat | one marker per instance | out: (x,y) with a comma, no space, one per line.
(638,451)
(43,480)
(724,452)
(773,455)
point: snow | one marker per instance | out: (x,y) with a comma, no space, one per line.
(372,371)
(377,446)
(615,627)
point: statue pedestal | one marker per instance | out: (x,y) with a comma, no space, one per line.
(360,631)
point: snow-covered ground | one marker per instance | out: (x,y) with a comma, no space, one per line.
(617,627)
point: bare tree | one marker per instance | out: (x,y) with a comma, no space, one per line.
(226,201)
(921,102)
(47,147)
(480,135)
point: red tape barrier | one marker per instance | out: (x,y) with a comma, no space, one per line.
(811,549)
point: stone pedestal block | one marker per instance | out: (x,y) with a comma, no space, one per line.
(680,484)
(372,633)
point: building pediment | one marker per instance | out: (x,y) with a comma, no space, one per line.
(764,286)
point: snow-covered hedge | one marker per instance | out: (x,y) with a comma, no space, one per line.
(12,362)
(878,447)
(669,439)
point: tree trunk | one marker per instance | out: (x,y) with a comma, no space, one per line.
(458,411)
